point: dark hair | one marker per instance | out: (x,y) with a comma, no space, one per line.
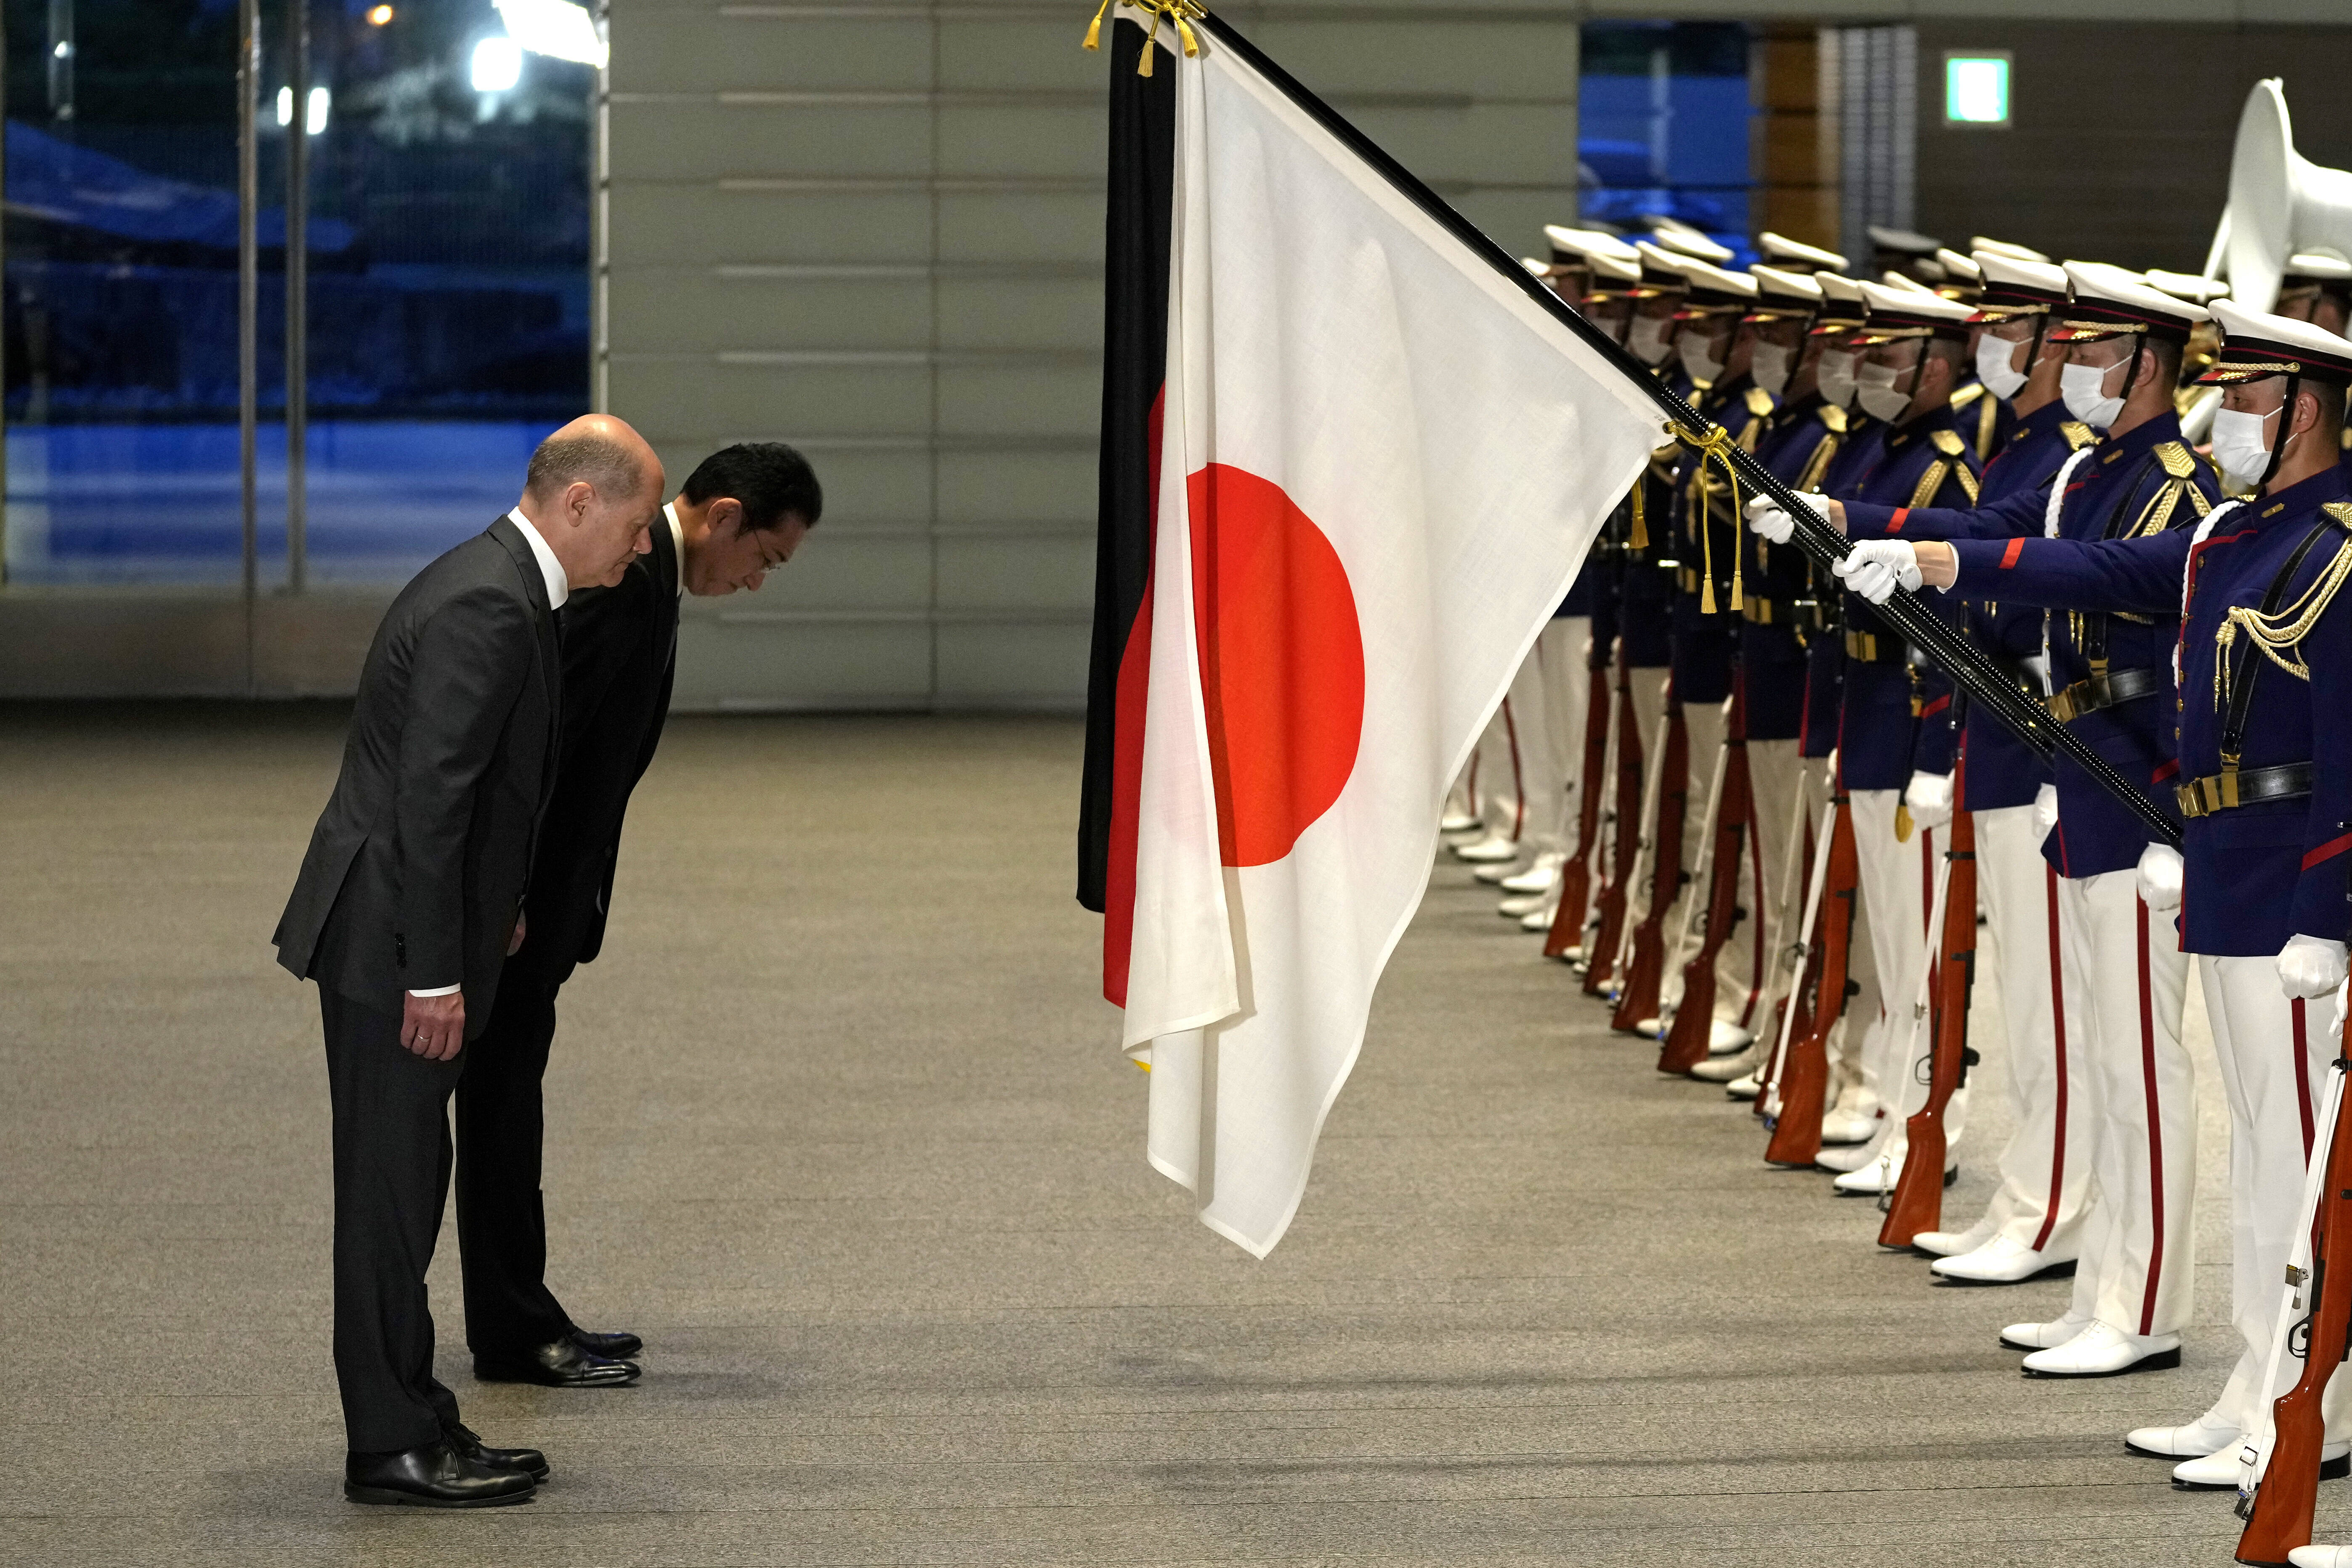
(771,480)
(562,460)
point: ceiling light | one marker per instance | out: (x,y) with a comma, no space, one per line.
(496,65)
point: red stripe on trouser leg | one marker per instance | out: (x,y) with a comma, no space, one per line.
(1755,956)
(2303,1079)
(2058,1035)
(1519,775)
(2155,1130)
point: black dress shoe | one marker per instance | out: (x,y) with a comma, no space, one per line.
(612,1346)
(468,1442)
(563,1364)
(435,1476)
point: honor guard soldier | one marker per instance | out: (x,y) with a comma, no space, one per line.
(1914,342)
(2265,782)
(1905,251)
(2316,288)
(1798,438)
(1715,345)
(2113,677)
(1981,246)
(2034,1220)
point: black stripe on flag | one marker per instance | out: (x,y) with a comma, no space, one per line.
(1135,352)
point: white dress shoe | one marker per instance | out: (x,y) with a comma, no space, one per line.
(1952,1243)
(1519,906)
(1734,1065)
(2044,1336)
(1880,1175)
(2201,1436)
(2217,1472)
(1539,919)
(1540,878)
(1495,873)
(2102,1350)
(1723,1038)
(1853,1156)
(1744,1088)
(1840,1128)
(2318,1557)
(1487,850)
(1460,822)
(2001,1262)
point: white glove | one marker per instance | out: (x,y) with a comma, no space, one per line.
(2310,966)
(1928,798)
(1876,568)
(2159,877)
(1766,517)
(2045,808)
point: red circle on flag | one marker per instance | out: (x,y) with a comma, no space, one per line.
(1282,662)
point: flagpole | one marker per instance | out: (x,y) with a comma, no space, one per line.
(1969,667)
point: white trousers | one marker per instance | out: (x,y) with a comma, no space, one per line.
(1562,653)
(2125,969)
(2274,1056)
(1649,689)
(2045,1168)
(1705,724)
(1897,880)
(1496,774)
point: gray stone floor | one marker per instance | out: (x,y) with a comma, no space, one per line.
(839,1124)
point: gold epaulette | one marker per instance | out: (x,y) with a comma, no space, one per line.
(1760,402)
(1930,481)
(2078,434)
(1948,442)
(1809,477)
(2178,459)
(1967,476)
(1987,417)
(2341,511)
(1834,417)
(1967,395)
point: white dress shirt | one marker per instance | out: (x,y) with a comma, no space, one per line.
(559,588)
(678,537)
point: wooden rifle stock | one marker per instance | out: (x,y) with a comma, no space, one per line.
(1685,1044)
(1805,1076)
(1576,877)
(2279,1518)
(1637,998)
(1917,1203)
(1601,957)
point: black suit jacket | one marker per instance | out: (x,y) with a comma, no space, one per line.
(620,653)
(417,868)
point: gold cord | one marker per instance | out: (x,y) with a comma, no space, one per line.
(1716,443)
(2277,636)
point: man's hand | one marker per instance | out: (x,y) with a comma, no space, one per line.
(2159,877)
(434,1026)
(1875,568)
(1766,517)
(514,943)
(1928,798)
(2310,966)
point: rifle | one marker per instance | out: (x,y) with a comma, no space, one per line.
(1917,1202)
(1637,997)
(1685,1044)
(1601,953)
(1805,1072)
(1576,877)
(2279,1481)
(1802,957)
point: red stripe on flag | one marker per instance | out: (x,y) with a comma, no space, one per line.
(1127,761)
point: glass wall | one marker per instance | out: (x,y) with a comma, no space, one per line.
(444,255)
(1663,115)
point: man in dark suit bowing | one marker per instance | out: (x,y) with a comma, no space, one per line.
(410,901)
(739,515)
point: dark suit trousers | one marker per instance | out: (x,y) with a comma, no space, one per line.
(501,1218)
(392,1181)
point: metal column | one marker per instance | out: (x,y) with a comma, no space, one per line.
(248,302)
(298,294)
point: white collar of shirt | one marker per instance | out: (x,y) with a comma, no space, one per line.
(678,537)
(559,588)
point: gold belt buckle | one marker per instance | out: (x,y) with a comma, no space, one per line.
(2062,705)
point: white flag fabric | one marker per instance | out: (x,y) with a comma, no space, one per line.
(1380,467)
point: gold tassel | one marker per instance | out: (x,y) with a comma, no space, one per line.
(1094,28)
(1707,552)
(1902,824)
(1150,47)
(1641,529)
(1191,44)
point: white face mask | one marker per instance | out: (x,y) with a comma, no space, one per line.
(1994,356)
(1880,399)
(1769,363)
(2242,445)
(1646,336)
(1692,347)
(2083,386)
(1834,375)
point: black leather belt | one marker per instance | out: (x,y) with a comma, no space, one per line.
(2231,788)
(1869,647)
(2103,691)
